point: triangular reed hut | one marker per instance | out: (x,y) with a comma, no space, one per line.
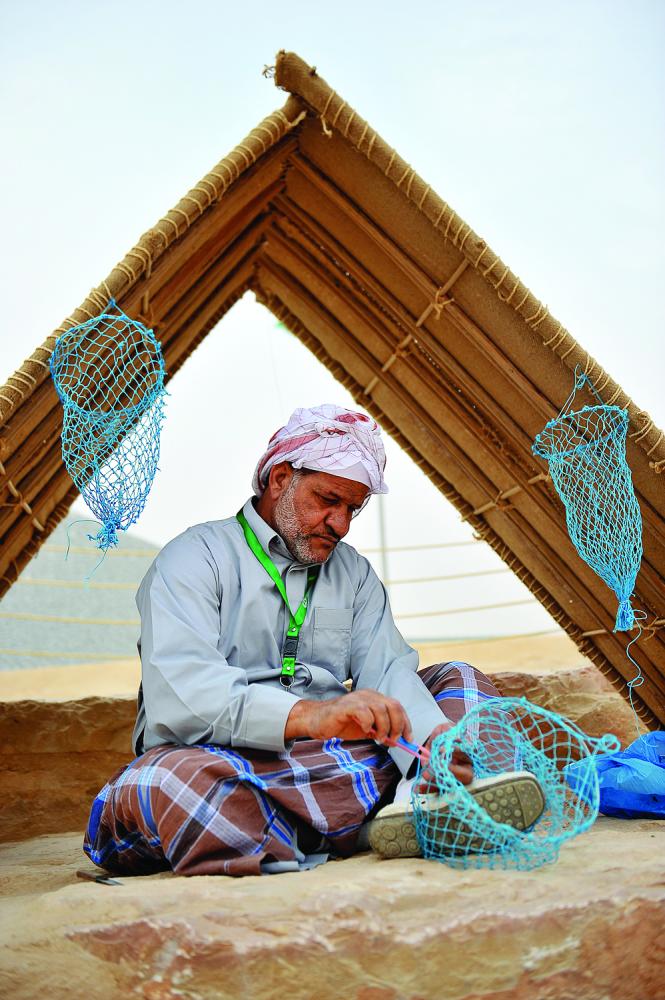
(410,310)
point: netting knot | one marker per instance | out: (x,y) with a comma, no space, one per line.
(625,617)
(106,537)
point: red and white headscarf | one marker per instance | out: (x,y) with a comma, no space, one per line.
(330,439)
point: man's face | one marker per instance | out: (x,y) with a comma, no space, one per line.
(313,512)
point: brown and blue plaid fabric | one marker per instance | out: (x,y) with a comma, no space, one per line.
(212,810)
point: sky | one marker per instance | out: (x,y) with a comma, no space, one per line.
(543,125)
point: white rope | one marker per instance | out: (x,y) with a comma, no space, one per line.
(120,553)
(459,611)
(47,654)
(74,584)
(25,616)
(451,576)
(111,554)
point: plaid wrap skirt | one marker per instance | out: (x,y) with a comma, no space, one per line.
(214,810)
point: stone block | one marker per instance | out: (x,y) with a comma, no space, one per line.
(583,695)
(56,757)
(589,927)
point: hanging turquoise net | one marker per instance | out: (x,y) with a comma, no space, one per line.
(503,735)
(586,451)
(109,374)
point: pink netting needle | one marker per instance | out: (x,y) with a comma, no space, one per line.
(422,753)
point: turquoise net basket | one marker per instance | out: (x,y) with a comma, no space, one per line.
(586,451)
(109,374)
(503,735)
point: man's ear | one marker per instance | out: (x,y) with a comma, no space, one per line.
(279,478)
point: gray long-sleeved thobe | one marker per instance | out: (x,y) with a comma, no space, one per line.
(212,628)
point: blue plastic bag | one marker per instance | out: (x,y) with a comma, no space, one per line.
(632,781)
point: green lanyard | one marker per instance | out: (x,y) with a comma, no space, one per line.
(290,648)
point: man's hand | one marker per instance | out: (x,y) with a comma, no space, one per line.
(356,716)
(460,765)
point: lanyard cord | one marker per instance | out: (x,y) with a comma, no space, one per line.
(290,647)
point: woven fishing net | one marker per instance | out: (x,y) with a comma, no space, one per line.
(586,451)
(504,735)
(109,375)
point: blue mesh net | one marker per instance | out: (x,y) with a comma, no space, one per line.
(109,374)
(507,737)
(586,451)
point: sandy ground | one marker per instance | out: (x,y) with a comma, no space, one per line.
(538,654)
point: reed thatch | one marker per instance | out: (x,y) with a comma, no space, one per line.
(410,310)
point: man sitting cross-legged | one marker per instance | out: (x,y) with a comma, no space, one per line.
(253,755)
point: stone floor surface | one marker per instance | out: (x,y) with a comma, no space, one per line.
(589,927)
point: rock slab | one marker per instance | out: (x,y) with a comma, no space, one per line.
(55,758)
(584,696)
(589,927)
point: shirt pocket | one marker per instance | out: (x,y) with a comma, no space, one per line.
(331,643)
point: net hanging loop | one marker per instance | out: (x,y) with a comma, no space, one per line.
(109,375)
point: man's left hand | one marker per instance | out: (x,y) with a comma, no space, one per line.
(460,764)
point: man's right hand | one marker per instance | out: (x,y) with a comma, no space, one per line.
(359,715)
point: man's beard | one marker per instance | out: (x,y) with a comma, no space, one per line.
(289,527)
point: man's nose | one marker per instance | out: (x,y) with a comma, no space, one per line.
(339,521)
